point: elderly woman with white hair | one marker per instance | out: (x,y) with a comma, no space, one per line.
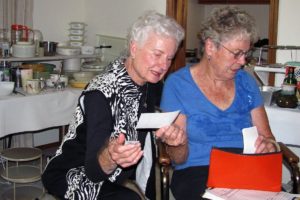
(97,154)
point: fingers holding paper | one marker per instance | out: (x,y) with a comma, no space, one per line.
(175,137)
(172,135)
(122,154)
(265,145)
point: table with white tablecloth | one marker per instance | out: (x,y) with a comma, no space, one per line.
(50,108)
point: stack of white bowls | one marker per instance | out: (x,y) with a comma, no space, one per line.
(76,36)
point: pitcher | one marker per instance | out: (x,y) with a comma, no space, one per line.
(21,33)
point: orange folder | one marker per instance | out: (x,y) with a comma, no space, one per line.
(245,171)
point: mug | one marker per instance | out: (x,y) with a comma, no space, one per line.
(33,86)
(25,75)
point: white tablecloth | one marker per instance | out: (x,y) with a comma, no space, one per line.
(284,123)
(48,109)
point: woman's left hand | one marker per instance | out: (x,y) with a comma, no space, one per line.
(264,145)
(172,135)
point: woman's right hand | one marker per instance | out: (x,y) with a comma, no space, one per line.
(123,154)
(117,153)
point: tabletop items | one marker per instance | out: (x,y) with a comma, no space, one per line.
(287,98)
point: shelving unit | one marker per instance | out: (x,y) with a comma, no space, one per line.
(263,71)
(22,173)
(47,58)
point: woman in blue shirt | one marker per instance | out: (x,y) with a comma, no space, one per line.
(217,99)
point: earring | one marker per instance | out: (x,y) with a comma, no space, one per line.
(208,57)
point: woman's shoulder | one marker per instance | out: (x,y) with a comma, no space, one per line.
(245,76)
(181,73)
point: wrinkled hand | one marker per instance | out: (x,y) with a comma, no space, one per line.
(264,145)
(122,154)
(172,135)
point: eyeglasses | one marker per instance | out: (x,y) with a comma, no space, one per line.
(239,54)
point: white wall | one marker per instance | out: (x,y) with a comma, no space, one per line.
(53,17)
(197,12)
(288,30)
(111,17)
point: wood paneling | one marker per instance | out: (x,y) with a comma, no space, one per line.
(178,10)
(233,1)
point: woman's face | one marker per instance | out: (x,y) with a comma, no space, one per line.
(229,57)
(152,59)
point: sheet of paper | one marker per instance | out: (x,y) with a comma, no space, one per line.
(237,194)
(249,135)
(156,120)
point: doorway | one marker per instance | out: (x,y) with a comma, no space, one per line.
(178,10)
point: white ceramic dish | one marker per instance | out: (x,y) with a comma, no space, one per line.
(72,64)
(68,50)
(6,87)
(83,76)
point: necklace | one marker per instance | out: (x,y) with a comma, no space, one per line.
(146,96)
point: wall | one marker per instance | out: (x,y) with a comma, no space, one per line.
(288,30)
(197,12)
(111,17)
(53,17)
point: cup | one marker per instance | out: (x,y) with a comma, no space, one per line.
(64,80)
(33,86)
(25,75)
(54,77)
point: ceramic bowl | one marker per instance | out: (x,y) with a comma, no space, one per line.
(83,76)
(68,50)
(6,87)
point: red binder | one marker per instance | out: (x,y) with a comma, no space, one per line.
(245,171)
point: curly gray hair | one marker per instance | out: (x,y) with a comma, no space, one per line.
(153,22)
(225,24)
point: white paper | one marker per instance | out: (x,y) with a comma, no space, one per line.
(238,194)
(156,120)
(249,135)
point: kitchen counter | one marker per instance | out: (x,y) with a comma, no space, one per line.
(50,108)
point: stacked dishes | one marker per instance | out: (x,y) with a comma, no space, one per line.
(76,36)
(72,64)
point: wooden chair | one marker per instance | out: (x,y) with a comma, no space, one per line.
(290,160)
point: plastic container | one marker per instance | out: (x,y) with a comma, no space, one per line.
(76,43)
(76,38)
(77,25)
(76,31)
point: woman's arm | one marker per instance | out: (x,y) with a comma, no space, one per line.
(265,141)
(175,138)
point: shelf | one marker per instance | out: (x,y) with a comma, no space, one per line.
(21,154)
(22,174)
(47,58)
